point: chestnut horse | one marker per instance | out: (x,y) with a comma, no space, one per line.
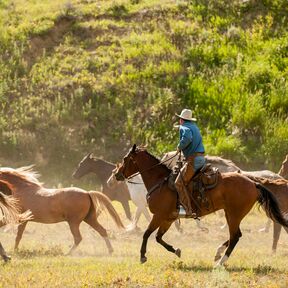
(72,204)
(225,165)
(103,170)
(235,193)
(10,214)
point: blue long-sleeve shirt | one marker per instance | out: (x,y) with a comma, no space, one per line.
(190,139)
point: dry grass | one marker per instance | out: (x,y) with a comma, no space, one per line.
(40,261)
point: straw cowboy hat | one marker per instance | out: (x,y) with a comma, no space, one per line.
(186,114)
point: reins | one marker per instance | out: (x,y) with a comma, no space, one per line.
(148,169)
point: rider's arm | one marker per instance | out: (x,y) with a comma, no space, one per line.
(185,138)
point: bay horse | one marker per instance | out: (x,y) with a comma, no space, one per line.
(138,193)
(10,214)
(235,193)
(103,170)
(71,204)
(225,165)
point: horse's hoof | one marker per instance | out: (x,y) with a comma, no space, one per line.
(110,251)
(178,252)
(6,258)
(143,259)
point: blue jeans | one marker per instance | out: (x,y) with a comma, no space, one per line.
(199,162)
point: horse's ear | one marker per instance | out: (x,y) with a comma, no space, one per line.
(134,148)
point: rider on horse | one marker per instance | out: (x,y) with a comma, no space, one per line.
(192,147)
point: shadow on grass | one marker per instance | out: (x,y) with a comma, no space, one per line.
(259,270)
(31,253)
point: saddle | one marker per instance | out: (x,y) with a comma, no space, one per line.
(205,179)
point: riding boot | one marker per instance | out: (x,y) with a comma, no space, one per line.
(181,182)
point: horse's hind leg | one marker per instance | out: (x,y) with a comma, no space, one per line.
(161,231)
(235,234)
(154,224)
(20,231)
(276,235)
(3,254)
(101,230)
(74,227)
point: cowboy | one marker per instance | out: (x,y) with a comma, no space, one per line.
(193,150)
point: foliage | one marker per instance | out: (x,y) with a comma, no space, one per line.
(79,76)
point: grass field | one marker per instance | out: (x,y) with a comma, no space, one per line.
(41,260)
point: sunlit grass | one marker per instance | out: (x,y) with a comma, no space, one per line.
(40,261)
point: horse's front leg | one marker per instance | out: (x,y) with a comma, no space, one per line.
(126,207)
(154,224)
(162,230)
(276,235)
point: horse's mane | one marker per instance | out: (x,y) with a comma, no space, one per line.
(5,187)
(219,160)
(154,157)
(25,174)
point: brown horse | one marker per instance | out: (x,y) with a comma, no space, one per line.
(10,214)
(235,193)
(72,204)
(103,170)
(225,165)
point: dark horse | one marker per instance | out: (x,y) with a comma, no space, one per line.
(235,193)
(103,170)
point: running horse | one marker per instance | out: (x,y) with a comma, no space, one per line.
(225,165)
(235,193)
(10,214)
(71,204)
(103,170)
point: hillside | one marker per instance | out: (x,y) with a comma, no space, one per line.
(82,75)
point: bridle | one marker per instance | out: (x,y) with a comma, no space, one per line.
(131,158)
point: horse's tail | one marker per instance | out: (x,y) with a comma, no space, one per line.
(102,202)
(270,204)
(11,212)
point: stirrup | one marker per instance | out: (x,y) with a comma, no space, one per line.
(183,214)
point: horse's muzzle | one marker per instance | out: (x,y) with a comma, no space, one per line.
(119,176)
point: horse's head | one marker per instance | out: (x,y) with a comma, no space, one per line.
(284,168)
(128,166)
(84,167)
